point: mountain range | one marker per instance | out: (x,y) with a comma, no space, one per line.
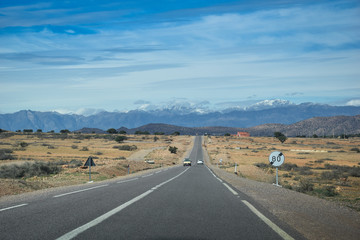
(320,126)
(268,112)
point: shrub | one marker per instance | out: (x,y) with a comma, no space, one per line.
(280,136)
(112,131)
(142,133)
(23,144)
(305,186)
(173,149)
(84,149)
(288,167)
(354,172)
(328,191)
(261,165)
(29,170)
(75,163)
(120,139)
(355,150)
(330,175)
(305,171)
(5,154)
(126,147)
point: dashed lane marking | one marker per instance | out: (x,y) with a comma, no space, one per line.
(128,180)
(272,225)
(8,208)
(105,216)
(82,190)
(230,189)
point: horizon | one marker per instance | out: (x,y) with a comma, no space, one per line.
(120,56)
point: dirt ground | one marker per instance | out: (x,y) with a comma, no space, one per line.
(70,152)
(324,167)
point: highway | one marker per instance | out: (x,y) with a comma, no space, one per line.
(174,203)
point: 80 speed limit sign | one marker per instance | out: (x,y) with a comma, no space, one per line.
(276,158)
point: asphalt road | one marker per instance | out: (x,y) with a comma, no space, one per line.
(175,203)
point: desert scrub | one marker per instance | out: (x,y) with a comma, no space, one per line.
(327,191)
(5,154)
(305,185)
(126,147)
(29,170)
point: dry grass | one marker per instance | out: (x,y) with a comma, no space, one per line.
(317,160)
(72,150)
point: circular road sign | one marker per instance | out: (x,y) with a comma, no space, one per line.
(276,158)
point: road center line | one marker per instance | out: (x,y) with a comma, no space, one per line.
(82,190)
(105,216)
(129,180)
(272,225)
(8,208)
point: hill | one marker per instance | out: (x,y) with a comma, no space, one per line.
(321,126)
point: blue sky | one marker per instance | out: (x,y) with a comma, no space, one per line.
(120,55)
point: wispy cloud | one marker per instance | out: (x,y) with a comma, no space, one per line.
(223,51)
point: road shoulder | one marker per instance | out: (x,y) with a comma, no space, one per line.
(314,218)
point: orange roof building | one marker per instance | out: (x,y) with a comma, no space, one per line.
(243,134)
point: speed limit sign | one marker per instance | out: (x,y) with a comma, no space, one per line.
(276,158)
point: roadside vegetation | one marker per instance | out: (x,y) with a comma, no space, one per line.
(35,160)
(324,167)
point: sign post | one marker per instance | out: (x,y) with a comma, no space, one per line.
(276,159)
(90,162)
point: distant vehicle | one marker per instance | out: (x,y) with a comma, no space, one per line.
(200,162)
(187,162)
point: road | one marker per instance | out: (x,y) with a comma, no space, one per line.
(175,203)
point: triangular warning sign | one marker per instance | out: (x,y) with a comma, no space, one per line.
(90,161)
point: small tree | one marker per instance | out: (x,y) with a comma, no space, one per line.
(111,130)
(281,137)
(120,139)
(176,134)
(173,149)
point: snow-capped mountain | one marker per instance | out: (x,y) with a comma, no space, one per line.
(267,104)
(178,107)
(180,114)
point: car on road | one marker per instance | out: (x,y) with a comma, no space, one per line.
(187,162)
(200,162)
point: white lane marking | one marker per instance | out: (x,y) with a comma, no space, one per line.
(159,185)
(158,172)
(272,225)
(147,175)
(82,190)
(129,180)
(105,216)
(214,175)
(230,189)
(8,208)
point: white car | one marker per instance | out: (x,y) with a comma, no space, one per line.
(200,162)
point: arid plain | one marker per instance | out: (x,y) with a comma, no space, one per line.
(324,167)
